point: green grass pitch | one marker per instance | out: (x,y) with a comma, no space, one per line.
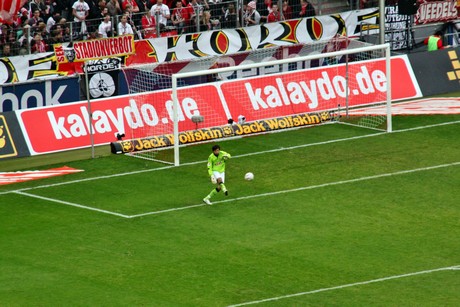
(371,220)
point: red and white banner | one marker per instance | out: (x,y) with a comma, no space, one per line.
(430,11)
(188,47)
(15,177)
(9,10)
(66,127)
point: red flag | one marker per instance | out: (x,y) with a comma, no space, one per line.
(9,10)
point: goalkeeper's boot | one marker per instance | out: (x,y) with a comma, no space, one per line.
(207,201)
(224,189)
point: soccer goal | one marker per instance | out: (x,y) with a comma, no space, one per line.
(262,95)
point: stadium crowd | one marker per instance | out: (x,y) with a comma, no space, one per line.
(42,23)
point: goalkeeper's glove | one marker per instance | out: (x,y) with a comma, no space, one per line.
(213,179)
(226,157)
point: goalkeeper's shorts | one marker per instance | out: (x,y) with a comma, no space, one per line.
(219,175)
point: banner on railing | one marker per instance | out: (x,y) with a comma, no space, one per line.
(82,51)
(67,60)
(432,11)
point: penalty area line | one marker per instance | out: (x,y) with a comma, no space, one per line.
(71,204)
(303,188)
(234,157)
(455,267)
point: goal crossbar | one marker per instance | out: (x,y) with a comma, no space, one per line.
(175,77)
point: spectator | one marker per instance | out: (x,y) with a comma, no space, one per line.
(251,15)
(161,13)
(287,10)
(63,22)
(149,25)
(52,21)
(94,16)
(134,6)
(128,12)
(94,9)
(8,36)
(102,4)
(6,51)
(275,14)
(58,29)
(196,14)
(38,5)
(365,4)
(216,8)
(105,28)
(204,4)
(114,7)
(23,15)
(144,5)
(180,17)
(124,27)
(64,7)
(134,15)
(56,36)
(306,9)
(67,36)
(38,45)
(265,9)
(229,17)
(434,42)
(42,30)
(25,40)
(80,11)
(35,19)
(207,23)
(93,35)
(103,12)
(4,30)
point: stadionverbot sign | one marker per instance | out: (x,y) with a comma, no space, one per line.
(95,49)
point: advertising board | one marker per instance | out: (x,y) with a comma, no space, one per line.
(38,94)
(66,126)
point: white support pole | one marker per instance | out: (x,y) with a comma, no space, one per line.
(175,120)
(388,73)
(90,113)
(382,21)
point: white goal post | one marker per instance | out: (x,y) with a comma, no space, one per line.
(345,81)
(266,90)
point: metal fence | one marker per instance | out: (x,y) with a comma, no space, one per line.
(205,16)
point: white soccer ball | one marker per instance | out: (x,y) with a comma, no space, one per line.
(249,176)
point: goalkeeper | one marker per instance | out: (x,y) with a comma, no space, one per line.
(216,170)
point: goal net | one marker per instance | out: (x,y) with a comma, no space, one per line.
(339,81)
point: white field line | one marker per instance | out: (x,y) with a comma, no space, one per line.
(243,197)
(305,188)
(71,204)
(234,157)
(456,267)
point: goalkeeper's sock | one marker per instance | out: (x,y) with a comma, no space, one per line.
(224,189)
(212,193)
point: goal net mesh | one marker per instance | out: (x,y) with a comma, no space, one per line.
(337,81)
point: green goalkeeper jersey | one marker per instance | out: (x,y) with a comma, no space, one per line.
(217,163)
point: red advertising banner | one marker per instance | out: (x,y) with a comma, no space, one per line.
(66,127)
(318,89)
